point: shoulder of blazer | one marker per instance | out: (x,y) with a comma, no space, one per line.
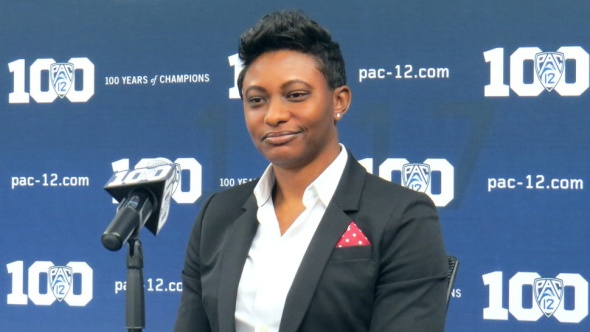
(357,184)
(378,182)
(392,195)
(233,200)
(219,215)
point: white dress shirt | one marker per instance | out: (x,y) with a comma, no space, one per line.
(273,259)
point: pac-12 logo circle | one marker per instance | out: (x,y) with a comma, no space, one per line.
(73,80)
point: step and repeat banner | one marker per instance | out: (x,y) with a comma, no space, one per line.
(488,100)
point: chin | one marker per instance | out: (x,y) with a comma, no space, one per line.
(277,153)
(289,163)
(281,160)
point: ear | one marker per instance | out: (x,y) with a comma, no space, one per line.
(342,99)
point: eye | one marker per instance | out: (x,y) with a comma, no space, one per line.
(255,101)
(298,95)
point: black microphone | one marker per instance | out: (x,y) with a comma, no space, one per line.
(144,199)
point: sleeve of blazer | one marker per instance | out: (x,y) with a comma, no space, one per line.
(410,294)
(191,314)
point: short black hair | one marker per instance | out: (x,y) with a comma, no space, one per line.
(292,30)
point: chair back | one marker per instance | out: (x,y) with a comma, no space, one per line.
(453,268)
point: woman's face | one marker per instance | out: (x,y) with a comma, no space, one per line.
(290,111)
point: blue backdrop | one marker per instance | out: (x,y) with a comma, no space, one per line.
(491,96)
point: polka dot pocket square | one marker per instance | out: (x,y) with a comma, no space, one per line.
(353,237)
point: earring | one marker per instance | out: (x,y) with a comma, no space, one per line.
(338,115)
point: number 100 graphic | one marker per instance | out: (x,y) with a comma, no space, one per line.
(533,86)
(38,283)
(46,92)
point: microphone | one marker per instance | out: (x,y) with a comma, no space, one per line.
(144,199)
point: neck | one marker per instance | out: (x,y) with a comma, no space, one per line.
(290,183)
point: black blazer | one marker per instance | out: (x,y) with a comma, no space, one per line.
(396,284)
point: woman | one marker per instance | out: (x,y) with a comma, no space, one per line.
(317,243)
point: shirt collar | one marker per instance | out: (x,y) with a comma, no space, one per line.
(263,188)
(325,184)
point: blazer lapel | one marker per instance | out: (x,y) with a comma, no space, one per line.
(335,221)
(237,246)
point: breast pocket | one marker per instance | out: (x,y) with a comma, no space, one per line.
(350,275)
(348,253)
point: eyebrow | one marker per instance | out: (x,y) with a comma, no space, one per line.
(295,81)
(253,88)
(283,86)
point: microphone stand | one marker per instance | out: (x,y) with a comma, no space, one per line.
(135,303)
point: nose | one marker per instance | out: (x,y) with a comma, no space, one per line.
(276,114)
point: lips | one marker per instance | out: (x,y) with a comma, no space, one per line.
(279,137)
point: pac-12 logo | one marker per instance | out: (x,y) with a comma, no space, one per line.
(549,67)
(416,176)
(533,71)
(60,281)
(548,293)
(61,77)
(60,81)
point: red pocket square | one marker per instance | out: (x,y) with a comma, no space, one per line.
(353,237)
